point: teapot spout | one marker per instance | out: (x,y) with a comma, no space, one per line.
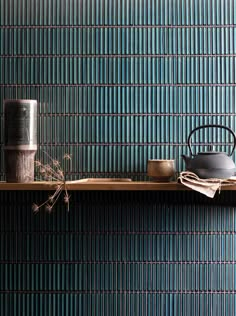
(187,160)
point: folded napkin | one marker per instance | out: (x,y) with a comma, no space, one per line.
(207,187)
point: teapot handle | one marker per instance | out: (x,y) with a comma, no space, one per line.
(211,125)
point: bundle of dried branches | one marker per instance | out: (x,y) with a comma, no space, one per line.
(53,171)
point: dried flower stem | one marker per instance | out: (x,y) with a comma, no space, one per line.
(57,194)
(56,175)
(67,197)
(53,173)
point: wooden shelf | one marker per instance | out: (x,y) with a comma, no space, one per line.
(101,185)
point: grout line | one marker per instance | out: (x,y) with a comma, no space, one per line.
(120,85)
(144,292)
(114,55)
(115,262)
(134,114)
(127,144)
(136,233)
(145,26)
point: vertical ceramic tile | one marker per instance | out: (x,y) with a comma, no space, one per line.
(119,82)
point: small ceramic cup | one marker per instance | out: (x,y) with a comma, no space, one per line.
(161,170)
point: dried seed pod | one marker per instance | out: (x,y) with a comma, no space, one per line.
(35,208)
(66,198)
(48,208)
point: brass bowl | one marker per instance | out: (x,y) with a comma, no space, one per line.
(161,170)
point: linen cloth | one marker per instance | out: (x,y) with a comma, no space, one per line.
(207,187)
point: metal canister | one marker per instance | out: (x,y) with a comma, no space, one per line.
(20,139)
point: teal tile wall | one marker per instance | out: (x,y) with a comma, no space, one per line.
(122,253)
(119,82)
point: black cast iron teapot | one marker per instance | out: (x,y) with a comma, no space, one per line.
(210,164)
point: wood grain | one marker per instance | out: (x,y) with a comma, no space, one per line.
(100,185)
